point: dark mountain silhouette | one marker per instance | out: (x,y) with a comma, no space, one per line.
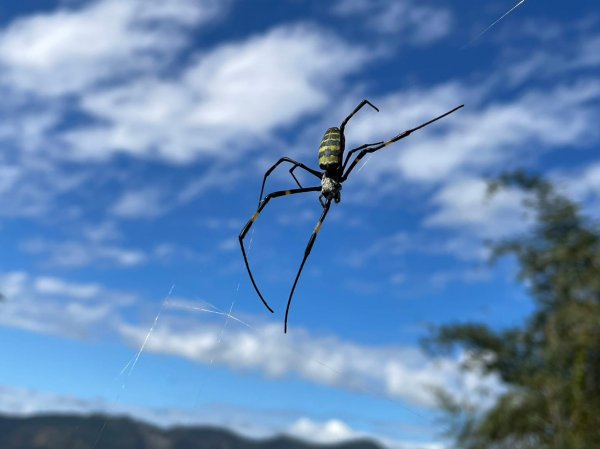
(100,432)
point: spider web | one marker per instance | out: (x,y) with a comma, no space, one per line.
(127,371)
(493,24)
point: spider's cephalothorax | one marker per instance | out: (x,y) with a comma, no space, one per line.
(336,168)
(330,190)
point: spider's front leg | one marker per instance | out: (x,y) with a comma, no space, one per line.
(250,222)
(372,147)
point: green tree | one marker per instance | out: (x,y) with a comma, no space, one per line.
(551,364)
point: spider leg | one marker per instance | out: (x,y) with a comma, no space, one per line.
(321,196)
(248,225)
(363,151)
(354,150)
(371,148)
(294,167)
(296,164)
(307,251)
(356,109)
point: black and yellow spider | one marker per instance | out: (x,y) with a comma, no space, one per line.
(336,171)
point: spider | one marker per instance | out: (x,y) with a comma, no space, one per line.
(335,171)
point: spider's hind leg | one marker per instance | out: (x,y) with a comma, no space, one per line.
(307,251)
(250,222)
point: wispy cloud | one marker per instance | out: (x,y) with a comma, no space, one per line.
(585,182)
(72,49)
(420,22)
(388,246)
(442,278)
(188,329)
(50,305)
(58,307)
(218,177)
(55,286)
(450,161)
(75,310)
(480,136)
(145,203)
(49,60)
(75,253)
(135,99)
(328,432)
(393,372)
(250,423)
(568,48)
(278,77)
(31,186)
(465,204)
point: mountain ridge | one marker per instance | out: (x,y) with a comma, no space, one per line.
(96,431)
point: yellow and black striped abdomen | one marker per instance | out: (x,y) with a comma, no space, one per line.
(330,151)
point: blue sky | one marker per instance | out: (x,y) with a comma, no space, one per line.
(133,139)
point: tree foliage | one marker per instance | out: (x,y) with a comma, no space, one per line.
(551,364)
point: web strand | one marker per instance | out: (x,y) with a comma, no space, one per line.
(494,23)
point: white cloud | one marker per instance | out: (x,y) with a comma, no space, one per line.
(30,185)
(419,22)
(328,432)
(81,253)
(26,402)
(26,121)
(68,50)
(75,310)
(111,57)
(464,203)
(229,245)
(463,207)
(65,53)
(461,245)
(55,286)
(581,184)
(49,305)
(288,69)
(145,203)
(392,245)
(336,431)
(554,58)
(105,231)
(278,76)
(301,219)
(442,278)
(23,402)
(225,100)
(219,177)
(585,182)
(479,136)
(394,372)
(484,138)
(101,245)
(398,278)
(214,223)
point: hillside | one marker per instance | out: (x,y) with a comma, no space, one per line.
(82,432)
